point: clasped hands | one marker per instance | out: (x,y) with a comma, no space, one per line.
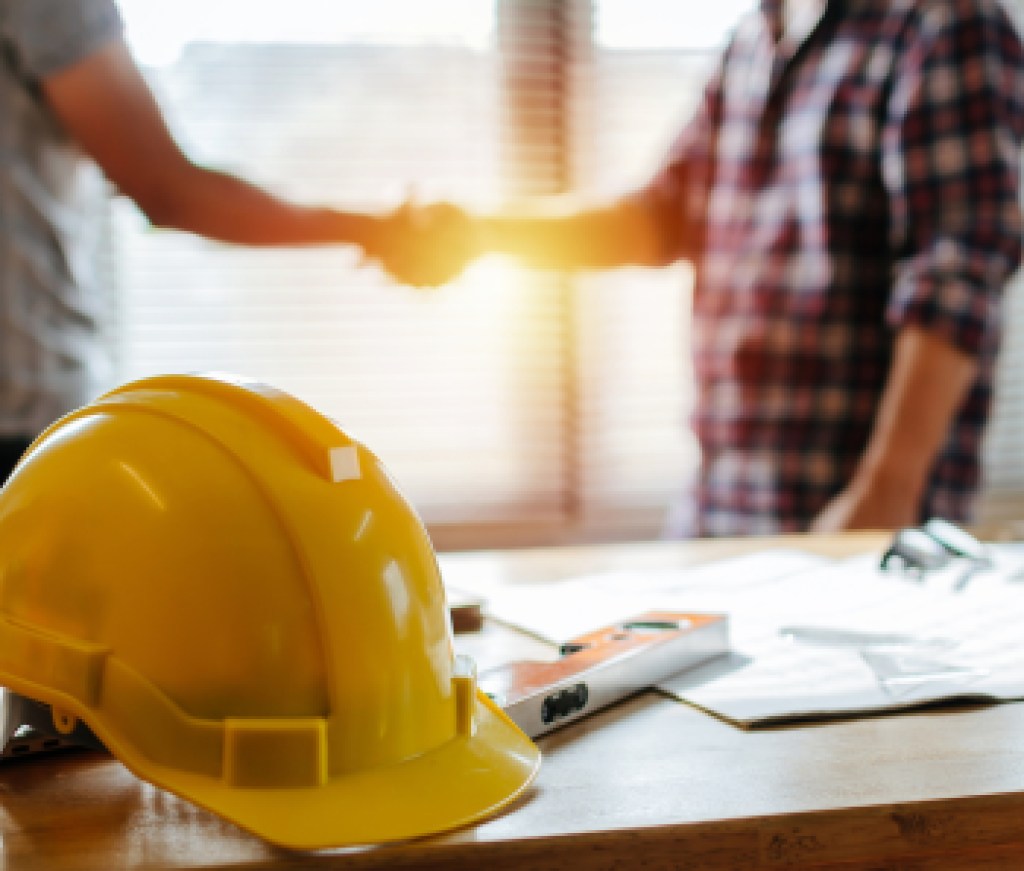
(425,246)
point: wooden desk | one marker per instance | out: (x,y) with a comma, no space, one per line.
(648,784)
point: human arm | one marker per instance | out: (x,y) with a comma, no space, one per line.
(426,246)
(553,233)
(656,225)
(556,236)
(105,105)
(928,380)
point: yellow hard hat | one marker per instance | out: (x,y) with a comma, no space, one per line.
(233,595)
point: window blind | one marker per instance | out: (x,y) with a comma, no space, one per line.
(1003,459)
(513,407)
(458,391)
(649,63)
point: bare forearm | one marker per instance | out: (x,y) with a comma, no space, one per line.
(928,381)
(229,209)
(105,105)
(621,234)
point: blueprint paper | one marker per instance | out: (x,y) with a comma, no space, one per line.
(770,677)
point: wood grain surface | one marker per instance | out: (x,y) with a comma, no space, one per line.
(648,784)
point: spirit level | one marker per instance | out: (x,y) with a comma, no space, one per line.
(604,666)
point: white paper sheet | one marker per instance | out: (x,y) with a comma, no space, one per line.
(560,610)
(976,649)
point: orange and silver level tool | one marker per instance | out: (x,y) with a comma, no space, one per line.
(592,672)
(604,666)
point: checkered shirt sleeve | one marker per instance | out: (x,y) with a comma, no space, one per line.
(950,161)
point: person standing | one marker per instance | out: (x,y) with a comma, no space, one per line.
(848,192)
(75,107)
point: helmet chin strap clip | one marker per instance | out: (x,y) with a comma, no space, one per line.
(29,728)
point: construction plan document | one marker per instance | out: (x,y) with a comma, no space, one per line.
(810,637)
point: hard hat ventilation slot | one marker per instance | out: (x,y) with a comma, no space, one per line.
(464,684)
(344,463)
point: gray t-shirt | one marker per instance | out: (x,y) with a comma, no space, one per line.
(51,360)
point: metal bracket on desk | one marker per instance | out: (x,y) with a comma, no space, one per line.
(26,729)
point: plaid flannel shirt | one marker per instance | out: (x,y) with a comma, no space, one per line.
(829,193)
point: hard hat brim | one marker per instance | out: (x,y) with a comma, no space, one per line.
(460,782)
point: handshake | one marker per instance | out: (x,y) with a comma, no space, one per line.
(425,246)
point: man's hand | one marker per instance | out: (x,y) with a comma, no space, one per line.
(430,245)
(425,246)
(870,504)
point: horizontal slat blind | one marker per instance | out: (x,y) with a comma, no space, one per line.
(513,407)
(1003,498)
(509,400)
(457,391)
(649,63)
